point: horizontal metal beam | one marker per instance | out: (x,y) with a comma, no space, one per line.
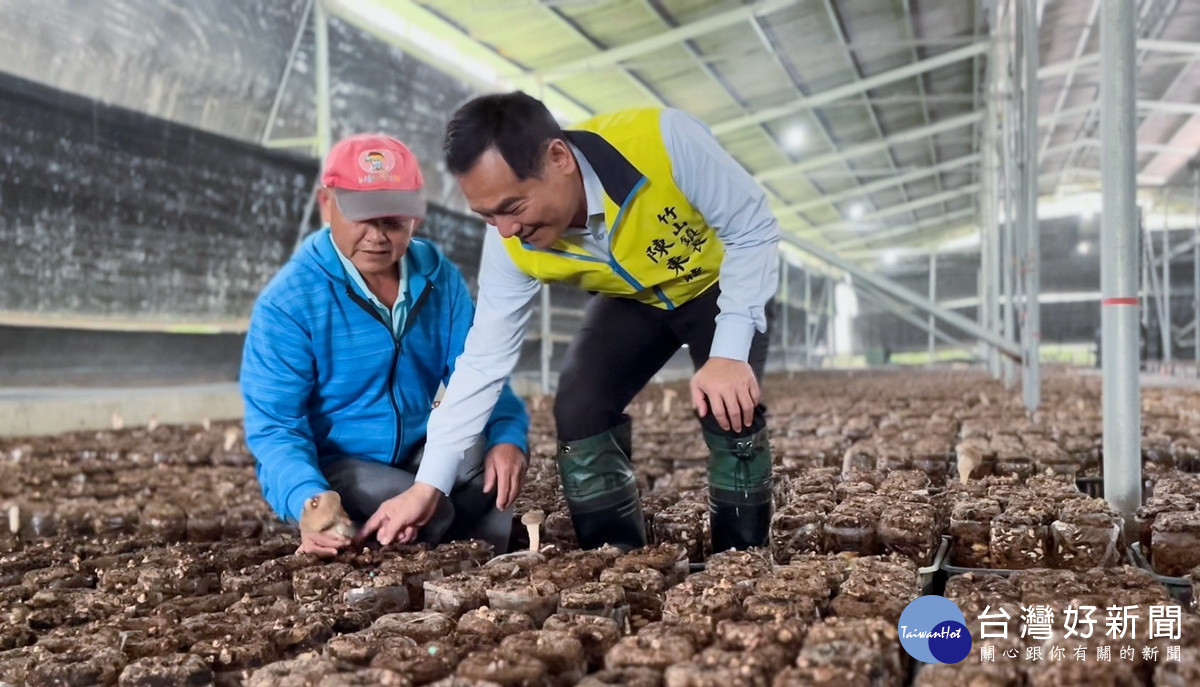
(850,89)
(872,146)
(1063,68)
(896,308)
(661,40)
(1145,105)
(905,295)
(949,221)
(882,184)
(893,210)
(1188,47)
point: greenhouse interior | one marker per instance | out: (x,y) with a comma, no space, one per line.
(682,343)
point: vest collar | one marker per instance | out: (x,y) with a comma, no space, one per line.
(617,175)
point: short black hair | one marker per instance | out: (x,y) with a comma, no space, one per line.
(516,124)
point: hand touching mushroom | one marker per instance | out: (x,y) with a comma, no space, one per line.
(324,525)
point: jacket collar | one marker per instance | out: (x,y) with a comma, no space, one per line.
(424,261)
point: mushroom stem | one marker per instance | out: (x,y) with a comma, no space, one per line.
(532,522)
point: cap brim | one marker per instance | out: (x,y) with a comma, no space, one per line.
(359,206)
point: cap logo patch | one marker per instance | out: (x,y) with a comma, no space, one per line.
(378,165)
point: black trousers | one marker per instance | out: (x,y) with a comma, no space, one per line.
(620,346)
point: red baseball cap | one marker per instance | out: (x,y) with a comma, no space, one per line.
(372,176)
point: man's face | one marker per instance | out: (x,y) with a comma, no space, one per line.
(538,209)
(374,246)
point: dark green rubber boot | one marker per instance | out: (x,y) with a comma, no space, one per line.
(601,491)
(739,490)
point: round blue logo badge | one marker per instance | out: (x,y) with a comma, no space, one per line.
(934,630)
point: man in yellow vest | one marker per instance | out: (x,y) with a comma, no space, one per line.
(644,209)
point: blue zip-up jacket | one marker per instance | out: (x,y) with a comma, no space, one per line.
(324,378)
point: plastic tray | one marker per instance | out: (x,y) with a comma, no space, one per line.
(1094,487)
(932,581)
(1180,588)
(952,570)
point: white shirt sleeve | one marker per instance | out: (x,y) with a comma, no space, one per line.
(735,205)
(489,356)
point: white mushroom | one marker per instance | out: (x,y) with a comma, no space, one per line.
(14,518)
(231,438)
(969,458)
(152,423)
(118,422)
(532,522)
(668,399)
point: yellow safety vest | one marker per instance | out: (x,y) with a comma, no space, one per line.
(661,251)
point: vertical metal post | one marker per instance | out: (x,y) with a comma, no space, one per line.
(324,118)
(992,172)
(1031,333)
(546,340)
(1144,289)
(932,299)
(785,316)
(1196,267)
(830,314)
(1006,244)
(1166,278)
(1118,264)
(287,72)
(809,322)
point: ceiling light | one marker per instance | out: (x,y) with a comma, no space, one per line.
(795,137)
(890,257)
(1084,248)
(856,211)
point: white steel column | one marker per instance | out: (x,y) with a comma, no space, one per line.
(785,316)
(1196,267)
(932,299)
(1031,331)
(547,340)
(1166,278)
(1119,260)
(809,325)
(321,34)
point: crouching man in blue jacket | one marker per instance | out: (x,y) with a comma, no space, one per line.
(346,349)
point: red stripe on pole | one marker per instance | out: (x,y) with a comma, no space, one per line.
(1119,301)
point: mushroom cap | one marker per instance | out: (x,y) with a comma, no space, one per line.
(533,517)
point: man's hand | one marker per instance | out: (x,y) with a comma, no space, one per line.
(324,525)
(726,388)
(399,518)
(504,471)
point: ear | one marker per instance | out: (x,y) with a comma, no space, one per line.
(325,200)
(560,158)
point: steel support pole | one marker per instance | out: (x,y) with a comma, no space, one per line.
(1008,156)
(1031,332)
(1155,287)
(1166,278)
(287,72)
(1006,246)
(324,118)
(547,347)
(809,324)
(905,295)
(932,299)
(1196,268)
(785,316)
(1118,264)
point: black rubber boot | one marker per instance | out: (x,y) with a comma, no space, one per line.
(601,491)
(739,490)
